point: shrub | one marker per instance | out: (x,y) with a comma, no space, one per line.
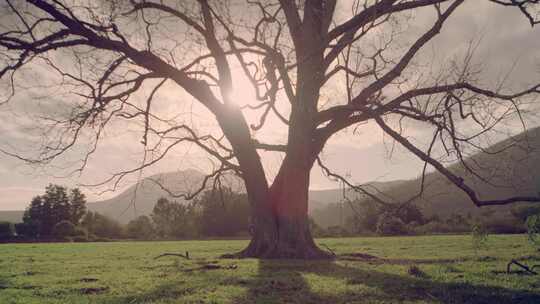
(141,228)
(80,231)
(479,236)
(533,228)
(64,229)
(80,238)
(388,224)
(336,231)
(7,230)
(505,226)
(27,230)
(522,212)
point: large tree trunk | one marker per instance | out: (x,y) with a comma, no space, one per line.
(281,223)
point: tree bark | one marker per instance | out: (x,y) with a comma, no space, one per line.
(281,223)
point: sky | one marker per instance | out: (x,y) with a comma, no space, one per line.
(505,38)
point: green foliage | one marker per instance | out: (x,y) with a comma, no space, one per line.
(316,230)
(336,231)
(365,217)
(408,213)
(533,228)
(479,236)
(367,214)
(141,228)
(51,208)
(27,230)
(522,212)
(504,225)
(64,228)
(102,226)
(7,230)
(77,208)
(223,213)
(389,224)
(432,227)
(174,220)
(80,238)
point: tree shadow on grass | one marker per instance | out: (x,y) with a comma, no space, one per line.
(284,282)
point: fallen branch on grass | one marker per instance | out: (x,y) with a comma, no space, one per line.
(329,249)
(213,267)
(525,267)
(185,256)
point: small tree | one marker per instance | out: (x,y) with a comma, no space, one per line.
(390,224)
(64,229)
(7,230)
(101,225)
(53,207)
(140,228)
(479,236)
(173,219)
(77,201)
(223,213)
(533,228)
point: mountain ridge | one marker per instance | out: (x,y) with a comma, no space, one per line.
(523,163)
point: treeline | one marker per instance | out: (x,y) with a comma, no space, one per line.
(60,215)
(219,213)
(371,218)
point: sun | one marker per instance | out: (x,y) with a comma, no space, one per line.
(243,92)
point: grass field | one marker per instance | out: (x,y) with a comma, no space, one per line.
(433,269)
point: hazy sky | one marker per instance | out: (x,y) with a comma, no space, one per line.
(506,37)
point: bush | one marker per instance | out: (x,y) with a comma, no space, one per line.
(388,224)
(64,229)
(80,231)
(141,228)
(335,231)
(80,238)
(7,230)
(522,212)
(533,228)
(479,236)
(27,230)
(433,227)
(507,226)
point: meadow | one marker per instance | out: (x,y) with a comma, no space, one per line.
(423,269)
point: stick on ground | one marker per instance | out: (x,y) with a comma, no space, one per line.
(525,267)
(185,256)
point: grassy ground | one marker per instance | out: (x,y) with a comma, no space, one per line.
(434,269)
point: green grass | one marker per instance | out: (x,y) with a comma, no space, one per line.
(433,269)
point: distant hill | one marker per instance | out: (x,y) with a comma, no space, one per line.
(517,168)
(140,198)
(512,172)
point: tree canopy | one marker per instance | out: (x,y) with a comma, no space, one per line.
(55,206)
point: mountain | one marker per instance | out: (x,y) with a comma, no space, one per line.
(140,198)
(516,169)
(509,168)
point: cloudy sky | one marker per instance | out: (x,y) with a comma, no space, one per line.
(506,40)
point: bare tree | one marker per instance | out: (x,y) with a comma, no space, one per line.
(108,53)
